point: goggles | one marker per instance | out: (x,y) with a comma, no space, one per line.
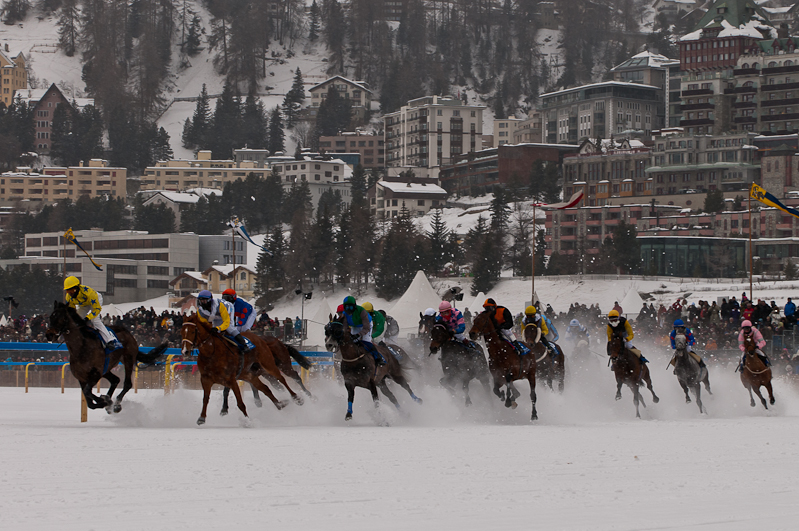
(613,319)
(349,308)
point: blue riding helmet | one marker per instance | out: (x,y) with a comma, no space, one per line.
(574,322)
(678,323)
(205,294)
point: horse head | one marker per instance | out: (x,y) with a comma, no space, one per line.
(680,343)
(334,335)
(531,334)
(750,347)
(482,325)
(616,347)
(426,322)
(439,334)
(63,318)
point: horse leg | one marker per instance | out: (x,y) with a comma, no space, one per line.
(239,399)
(751,398)
(561,373)
(655,398)
(207,384)
(684,386)
(465,388)
(294,375)
(91,400)
(258,385)
(509,398)
(225,395)
(350,397)
(386,391)
(636,399)
(767,385)
(531,380)
(760,396)
(255,396)
(126,386)
(618,389)
(113,381)
(698,393)
(404,384)
(294,396)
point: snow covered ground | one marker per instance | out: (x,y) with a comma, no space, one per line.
(586,464)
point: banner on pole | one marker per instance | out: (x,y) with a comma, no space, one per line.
(756,192)
(238,226)
(70,237)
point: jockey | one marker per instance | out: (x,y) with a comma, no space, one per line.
(531,316)
(502,320)
(220,314)
(359,323)
(452,318)
(244,315)
(378,321)
(550,327)
(754,333)
(88,303)
(392,328)
(619,326)
(679,328)
(576,331)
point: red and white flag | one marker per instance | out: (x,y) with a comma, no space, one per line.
(573,201)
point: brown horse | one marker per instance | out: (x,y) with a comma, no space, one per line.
(547,367)
(88,361)
(629,370)
(219,362)
(755,374)
(459,363)
(504,363)
(358,367)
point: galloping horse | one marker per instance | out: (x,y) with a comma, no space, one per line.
(460,363)
(629,370)
(755,374)
(504,363)
(88,361)
(358,367)
(426,323)
(689,373)
(219,362)
(547,367)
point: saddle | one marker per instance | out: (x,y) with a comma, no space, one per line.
(92,332)
(250,344)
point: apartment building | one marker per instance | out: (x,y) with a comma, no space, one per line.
(370,147)
(57,183)
(600,110)
(418,195)
(528,131)
(178,175)
(505,129)
(45,102)
(321,176)
(13,74)
(356,91)
(428,132)
(655,70)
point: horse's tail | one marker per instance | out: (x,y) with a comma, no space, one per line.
(153,355)
(299,358)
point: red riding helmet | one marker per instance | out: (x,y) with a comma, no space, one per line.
(229,295)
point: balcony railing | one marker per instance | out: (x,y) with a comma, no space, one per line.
(776,103)
(779,117)
(697,92)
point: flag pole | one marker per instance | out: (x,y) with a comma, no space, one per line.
(535,235)
(751,295)
(233,243)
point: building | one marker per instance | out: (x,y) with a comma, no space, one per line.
(44,103)
(13,74)
(656,70)
(321,176)
(370,147)
(608,169)
(178,202)
(504,130)
(528,131)
(600,110)
(356,91)
(179,175)
(218,249)
(136,265)
(478,173)
(419,195)
(57,183)
(676,9)
(428,132)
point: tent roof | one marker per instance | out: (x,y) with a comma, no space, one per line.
(632,303)
(419,295)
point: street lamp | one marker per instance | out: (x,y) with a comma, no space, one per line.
(305,296)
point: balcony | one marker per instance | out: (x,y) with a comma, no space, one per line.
(745,119)
(779,117)
(776,103)
(744,105)
(701,121)
(780,69)
(780,86)
(697,92)
(741,90)
(745,71)
(698,107)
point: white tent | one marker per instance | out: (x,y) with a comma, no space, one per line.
(316,324)
(632,304)
(477,304)
(112,310)
(419,295)
(3,321)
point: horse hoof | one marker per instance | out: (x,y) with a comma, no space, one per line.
(420,401)
(468,402)
(298,400)
(771,401)
(687,400)
(618,397)
(514,405)
(752,403)
(348,416)
(223,413)
(117,408)
(258,403)
(201,421)
(655,400)
(281,404)
(535,416)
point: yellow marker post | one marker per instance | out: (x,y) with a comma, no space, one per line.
(26,375)
(167,376)
(136,380)
(63,368)
(172,387)
(84,408)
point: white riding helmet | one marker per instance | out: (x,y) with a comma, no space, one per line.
(430,311)
(574,322)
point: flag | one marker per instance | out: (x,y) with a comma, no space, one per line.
(238,226)
(70,237)
(573,201)
(756,192)
(10,300)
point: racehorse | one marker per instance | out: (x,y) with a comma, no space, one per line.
(283,355)
(689,373)
(755,374)
(88,360)
(219,362)
(631,371)
(504,363)
(547,368)
(358,368)
(460,363)
(426,323)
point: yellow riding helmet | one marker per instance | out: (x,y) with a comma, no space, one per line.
(613,313)
(367,306)
(71,282)
(530,310)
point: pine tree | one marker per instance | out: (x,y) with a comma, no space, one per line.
(714,201)
(69,27)
(334,115)
(194,37)
(276,138)
(358,185)
(155,219)
(626,249)
(439,238)
(313,25)
(161,149)
(789,270)
(226,124)
(322,247)
(397,265)
(254,123)
(200,121)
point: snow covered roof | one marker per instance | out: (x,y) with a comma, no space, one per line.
(739,18)
(646,58)
(360,84)
(205,191)
(413,188)
(598,85)
(176,197)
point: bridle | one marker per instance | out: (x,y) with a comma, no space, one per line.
(338,336)
(196,334)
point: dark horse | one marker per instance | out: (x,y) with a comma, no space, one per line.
(504,363)
(548,368)
(755,374)
(88,361)
(689,373)
(283,355)
(426,323)
(358,367)
(219,363)
(460,363)
(629,370)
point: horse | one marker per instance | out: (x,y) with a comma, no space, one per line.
(358,368)
(283,355)
(631,371)
(755,374)
(219,362)
(88,360)
(504,363)
(547,367)
(426,322)
(689,373)
(460,363)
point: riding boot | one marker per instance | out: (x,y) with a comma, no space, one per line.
(550,348)
(521,347)
(379,359)
(239,339)
(113,345)
(764,359)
